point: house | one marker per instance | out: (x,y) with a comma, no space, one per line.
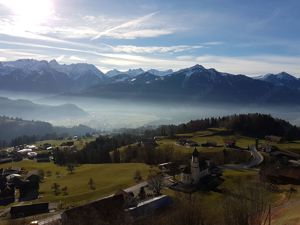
(6,160)
(31,155)
(29,187)
(230,143)
(68,143)
(24,151)
(7,192)
(185,142)
(209,144)
(9,171)
(149,142)
(149,207)
(116,209)
(197,169)
(32,147)
(273,138)
(43,157)
(283,175)
(108,210)
(29,210)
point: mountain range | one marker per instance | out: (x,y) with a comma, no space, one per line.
(195,84)
(42,76)
(200,85)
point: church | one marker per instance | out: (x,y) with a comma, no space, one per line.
(192,174)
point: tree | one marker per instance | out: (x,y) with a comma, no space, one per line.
(91,184)
(142,193)
(57,173)
(71,168)
(116,156)
(48,173)
(56,188)
(155,182)
(137,176)
(65,190)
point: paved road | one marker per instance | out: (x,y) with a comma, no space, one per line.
(257,159)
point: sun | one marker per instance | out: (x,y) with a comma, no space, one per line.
(30,13)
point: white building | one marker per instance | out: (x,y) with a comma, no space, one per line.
(193,173)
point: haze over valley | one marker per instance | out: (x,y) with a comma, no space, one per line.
(136,97)
(149,112)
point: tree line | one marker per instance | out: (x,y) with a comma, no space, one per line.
(97,151)
(254,125)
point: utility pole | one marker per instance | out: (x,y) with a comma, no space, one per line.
(270,214)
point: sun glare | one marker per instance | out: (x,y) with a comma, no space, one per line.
(30,12)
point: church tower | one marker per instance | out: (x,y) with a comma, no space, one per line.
(195,170)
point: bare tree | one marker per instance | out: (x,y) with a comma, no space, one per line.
(137,176)
(190,212)
(71,168)
(155,182)
(56,188)
(91,184)
(65,190)
(246,205)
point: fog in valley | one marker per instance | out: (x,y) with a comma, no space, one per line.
(110,114)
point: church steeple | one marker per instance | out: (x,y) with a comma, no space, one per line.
(195,153)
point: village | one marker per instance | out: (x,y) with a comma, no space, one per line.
(19,186)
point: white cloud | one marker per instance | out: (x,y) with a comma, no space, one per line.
(252,65)
(13,54)
(76,58)
(185,57)
(153,49)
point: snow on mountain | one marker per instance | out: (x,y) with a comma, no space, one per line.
(75,71)
(281,79)
(34,75)
(160,73)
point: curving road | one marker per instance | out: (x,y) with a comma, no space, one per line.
(257,159)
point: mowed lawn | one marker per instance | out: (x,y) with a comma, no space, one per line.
(108,179)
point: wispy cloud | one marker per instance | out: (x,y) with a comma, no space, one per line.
(135,28)
(153,49)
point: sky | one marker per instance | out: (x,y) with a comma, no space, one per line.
(235,36)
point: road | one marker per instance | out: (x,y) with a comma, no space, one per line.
(257,159)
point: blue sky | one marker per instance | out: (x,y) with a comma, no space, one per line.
(249,37)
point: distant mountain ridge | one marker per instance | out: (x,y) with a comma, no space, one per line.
(136,72)
(281,79)
(42,76)
(195,84)
(28,110)
(198,85)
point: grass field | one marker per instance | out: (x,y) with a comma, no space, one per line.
(108,178)
(79,144)
(219,135)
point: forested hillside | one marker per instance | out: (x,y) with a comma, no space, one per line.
(17,131)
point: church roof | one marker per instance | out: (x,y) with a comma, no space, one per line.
(195,153)
(187,170)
